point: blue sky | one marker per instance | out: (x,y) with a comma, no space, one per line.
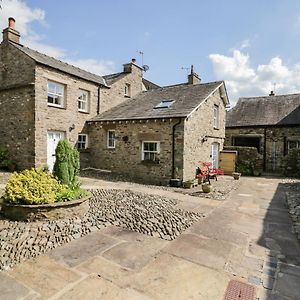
(249,44)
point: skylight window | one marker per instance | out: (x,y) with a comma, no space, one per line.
(164,104)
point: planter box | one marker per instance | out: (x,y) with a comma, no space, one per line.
(175,182)
(40,212)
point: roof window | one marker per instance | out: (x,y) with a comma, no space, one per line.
(164,104)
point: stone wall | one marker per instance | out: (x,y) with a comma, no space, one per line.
(115,95)
(126,157)
(273,141)
(17,104)
(247,158)
(60,119)
(199,126)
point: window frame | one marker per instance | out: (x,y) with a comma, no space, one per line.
(87,101)
(108,139)
(85,143)
(216,117)
(62,96)
(127,90)
(293,141)
(157,152)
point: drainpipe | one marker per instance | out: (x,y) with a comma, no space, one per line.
(265,149)
(173,147)
(98,100)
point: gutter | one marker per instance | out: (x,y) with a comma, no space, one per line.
(173,147)
(98,100)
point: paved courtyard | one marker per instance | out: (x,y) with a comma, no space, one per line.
(247,237)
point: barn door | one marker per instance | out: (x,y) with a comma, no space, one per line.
(227,161)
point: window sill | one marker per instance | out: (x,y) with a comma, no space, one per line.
(56,106)
(216,128)
(127,96)
(83,112)
(111,148)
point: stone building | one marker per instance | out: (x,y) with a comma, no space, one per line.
(120,122)
(271,124)
(162,133)
(43,100)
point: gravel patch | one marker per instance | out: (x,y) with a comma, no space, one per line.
(148,214)
(221,188)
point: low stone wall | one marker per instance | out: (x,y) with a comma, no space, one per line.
(249,161)
(53,211)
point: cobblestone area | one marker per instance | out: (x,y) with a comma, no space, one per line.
(147,214)
(293,201)
(144,213)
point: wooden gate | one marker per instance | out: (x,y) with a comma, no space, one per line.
(227,161)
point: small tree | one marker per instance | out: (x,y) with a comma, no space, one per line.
(291,163)
(67,163)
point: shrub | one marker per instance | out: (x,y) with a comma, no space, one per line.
(32,187)
(291,163)
(245,169)
(67,163)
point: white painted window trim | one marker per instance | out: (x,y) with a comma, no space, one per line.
(127,90)
(87,101)
(114,139)
(216,117)
(86,143)
(143,151)
(55,94)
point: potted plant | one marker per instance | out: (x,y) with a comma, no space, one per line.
(206,187)
(175,182)
(188,184)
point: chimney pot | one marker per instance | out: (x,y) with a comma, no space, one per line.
(133,60)
(11,23)
(272,93)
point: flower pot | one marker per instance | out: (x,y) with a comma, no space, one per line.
(206,188)
(236,175)
(200,180)
(188,184)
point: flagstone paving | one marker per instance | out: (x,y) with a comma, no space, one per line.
(247,237)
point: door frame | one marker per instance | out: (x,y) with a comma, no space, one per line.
(63,136)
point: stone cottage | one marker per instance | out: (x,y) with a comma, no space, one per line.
(43,100)
(162,133)
(120,121)
(271,124)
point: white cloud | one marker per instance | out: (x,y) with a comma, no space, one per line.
(245,44)
(242,79)
(25,16)
(100,67)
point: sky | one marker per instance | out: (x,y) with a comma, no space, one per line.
(254,46)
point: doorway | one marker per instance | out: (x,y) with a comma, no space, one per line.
(53,137)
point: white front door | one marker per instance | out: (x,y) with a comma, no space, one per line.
(53,137)
(215,155)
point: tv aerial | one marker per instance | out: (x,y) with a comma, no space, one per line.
(144,67)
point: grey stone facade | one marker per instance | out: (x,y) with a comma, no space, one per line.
(185,135)
(273,142)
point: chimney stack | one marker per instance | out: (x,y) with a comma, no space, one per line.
(272,93)
(129,67)
(193,78)
(9,33)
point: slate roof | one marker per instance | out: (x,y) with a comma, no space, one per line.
(112,78)
(149,84)
(186,98)
(59,65)
(265,111)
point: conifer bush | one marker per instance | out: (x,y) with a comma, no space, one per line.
(67,163)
